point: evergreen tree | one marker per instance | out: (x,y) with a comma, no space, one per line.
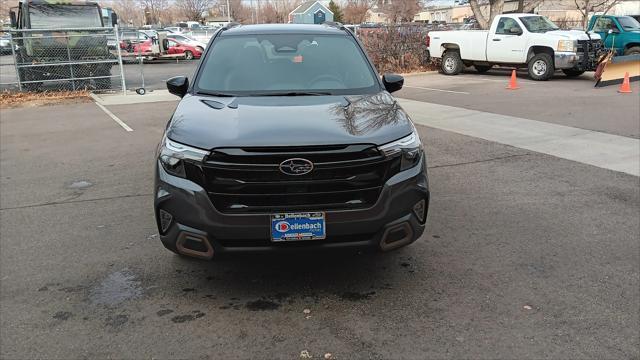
(337,12)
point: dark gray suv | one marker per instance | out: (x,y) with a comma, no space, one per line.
(288,138)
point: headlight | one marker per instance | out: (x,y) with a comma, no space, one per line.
(172,155)
(567,45)
(409,148)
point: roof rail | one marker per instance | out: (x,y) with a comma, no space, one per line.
(334,24)
(230,25)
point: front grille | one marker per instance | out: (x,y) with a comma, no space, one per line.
(244,180)
(588,53)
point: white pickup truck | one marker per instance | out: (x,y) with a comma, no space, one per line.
(518,40)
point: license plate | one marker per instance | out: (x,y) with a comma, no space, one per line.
(297,226)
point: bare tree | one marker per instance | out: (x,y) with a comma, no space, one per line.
(193,9)
(239,12)
(401,11)
(276,11)
(495,7)
(5,6)
(356,11)
(129,12)
(586,7)
(153,10)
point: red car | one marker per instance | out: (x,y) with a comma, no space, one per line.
(174,47)
(190,52)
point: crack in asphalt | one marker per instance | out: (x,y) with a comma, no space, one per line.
(478,161)
(74,201)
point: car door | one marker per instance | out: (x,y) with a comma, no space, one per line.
(602,27)
(507,43)
(174,47)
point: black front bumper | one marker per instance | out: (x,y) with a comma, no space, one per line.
(193,214)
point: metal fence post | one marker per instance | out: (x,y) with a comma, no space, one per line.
(122,80)
(15,60)
(73,83)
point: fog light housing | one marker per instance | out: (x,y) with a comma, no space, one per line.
(165,220)
(420,210)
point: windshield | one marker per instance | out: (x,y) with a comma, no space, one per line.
(629,23)
(286,63)
(48,16)
(538,24)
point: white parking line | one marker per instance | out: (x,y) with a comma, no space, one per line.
(613,152)
(504,80)
(115,118)
(440,90)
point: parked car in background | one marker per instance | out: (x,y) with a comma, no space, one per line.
(150,33)
(5,44)
(173,29)
(619,32)
(183,39)
(519,40)
(146,49)
(189,51)
(133,36)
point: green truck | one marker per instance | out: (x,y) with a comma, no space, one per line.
(62,41)
(621,33)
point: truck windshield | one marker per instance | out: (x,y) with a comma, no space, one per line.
(538,24)
(629,23)
(57,16)
(292,64)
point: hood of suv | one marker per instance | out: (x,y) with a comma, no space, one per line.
(211,122)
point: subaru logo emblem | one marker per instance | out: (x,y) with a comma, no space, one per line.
(296,166)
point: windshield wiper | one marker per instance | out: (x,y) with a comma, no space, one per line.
(294,93)
(218,94)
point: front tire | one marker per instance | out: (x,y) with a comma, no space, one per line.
(482,68)
(632,50)
(451,63)
(572,73)
(541,67)
(188,55)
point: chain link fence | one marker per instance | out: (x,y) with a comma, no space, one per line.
(66,59)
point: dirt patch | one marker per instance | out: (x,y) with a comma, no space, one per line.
(31,99)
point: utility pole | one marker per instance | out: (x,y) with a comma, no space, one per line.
(228,12)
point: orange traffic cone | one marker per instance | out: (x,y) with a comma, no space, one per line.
(513,83)
(625,88)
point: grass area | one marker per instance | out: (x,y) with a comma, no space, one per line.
(29,99)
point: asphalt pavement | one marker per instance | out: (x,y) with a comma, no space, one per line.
(526,255)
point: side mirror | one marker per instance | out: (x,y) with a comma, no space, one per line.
(515,31)
(14,19)
(392,82)
(178,85)
(114,19)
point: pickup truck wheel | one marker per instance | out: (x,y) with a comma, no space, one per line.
(451,63)
(541,67)
(632,50)
(572,72)
(482,68)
